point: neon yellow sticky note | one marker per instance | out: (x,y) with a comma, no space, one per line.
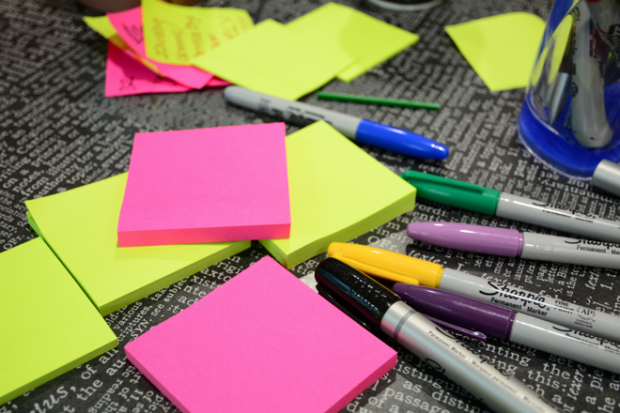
(501,49)
(274,60)
(178,34)
(337,193)
(102,25)
(80,227)
(360,36)
(47,324)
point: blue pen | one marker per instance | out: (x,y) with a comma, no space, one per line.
(360,130)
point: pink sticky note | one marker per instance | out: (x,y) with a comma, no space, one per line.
(217,82)
(125,76)
(262,342)
(206,185)
(128,24)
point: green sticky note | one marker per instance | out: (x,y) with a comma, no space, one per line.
(337,192)
(274,60)
(368,40)
(501,49)
(48,325)
(178,34)
(80,226)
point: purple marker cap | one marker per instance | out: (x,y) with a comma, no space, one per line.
(456,309)
(467,237)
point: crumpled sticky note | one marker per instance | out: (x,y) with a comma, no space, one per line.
(126,76)
(501,49)
(177,34)
(274,60)
(359,35)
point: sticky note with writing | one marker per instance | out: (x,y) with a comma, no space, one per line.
(129,27)
(338,192)
(80,227)
(206,185)
(265,332)
(178,34)
(125,76)
(49,326)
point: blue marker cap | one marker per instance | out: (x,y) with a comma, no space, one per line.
(399,140)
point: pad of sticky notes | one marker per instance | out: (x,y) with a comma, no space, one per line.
(267,333)
(501,49)
(80,226)
(177,34)
(48,325)
(338,192)
(368,40)
(274,60)
(206,185)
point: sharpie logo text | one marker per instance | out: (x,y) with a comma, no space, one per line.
(504,291)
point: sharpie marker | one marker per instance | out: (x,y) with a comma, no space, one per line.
(589,121)
(489,201)
(357,129)
(504,324)
(512,243)
(426,340)
(404,269)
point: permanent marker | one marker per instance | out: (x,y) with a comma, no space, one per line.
(404,269)
(357,129)
(423,338)
(490,201)
(512,243)
(504,324)
(589,120)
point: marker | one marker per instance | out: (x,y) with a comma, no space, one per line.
(504,324)
(360,130)
(489,201)
(438,347)
(344,97)
(512,243)
(404,269)
(589,121)
(606,176)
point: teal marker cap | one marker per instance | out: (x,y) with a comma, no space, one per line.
(454,193)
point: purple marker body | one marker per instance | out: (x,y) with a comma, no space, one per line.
(506,325)
(512,243)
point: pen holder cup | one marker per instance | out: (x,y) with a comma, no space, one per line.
(570,118)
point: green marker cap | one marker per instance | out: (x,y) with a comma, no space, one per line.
(454,193)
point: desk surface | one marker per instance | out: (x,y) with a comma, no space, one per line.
(57,132)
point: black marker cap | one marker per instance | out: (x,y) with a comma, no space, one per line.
(356,289)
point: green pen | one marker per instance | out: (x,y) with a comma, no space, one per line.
(492,202)
(378,101)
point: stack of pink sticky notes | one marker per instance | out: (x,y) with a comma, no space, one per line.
(206,185)
(262,342)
